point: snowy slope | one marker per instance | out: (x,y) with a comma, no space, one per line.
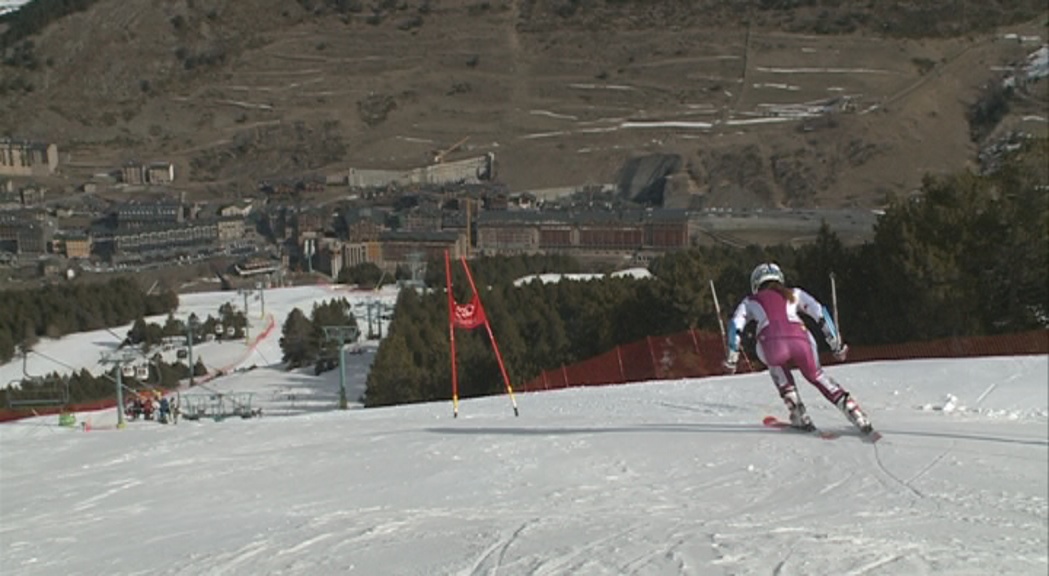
(653,478)
(266,315)
(11,5)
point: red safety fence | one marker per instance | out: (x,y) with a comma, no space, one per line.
(1036,342)
(682,355)
(694,354)
(10,414)
(690,354)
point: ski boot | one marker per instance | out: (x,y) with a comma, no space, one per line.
(799,417)
(852,411)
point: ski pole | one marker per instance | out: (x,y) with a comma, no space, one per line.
(721,325)
(717,308)
(834,302)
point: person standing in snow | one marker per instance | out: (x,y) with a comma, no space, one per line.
(783,342)
(165,410)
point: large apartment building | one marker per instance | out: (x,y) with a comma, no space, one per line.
(134,215)
(25,232)
(25,158)
(531,231)
(167,238)
(73,244)
(136,173)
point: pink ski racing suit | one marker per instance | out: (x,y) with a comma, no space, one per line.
(783,341)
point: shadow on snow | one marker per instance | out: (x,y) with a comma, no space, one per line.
(716,429)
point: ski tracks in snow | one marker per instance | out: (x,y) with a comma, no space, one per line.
(638,547)
(906,483)
(934,461)
(491,560)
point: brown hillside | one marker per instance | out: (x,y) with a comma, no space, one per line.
(561,91)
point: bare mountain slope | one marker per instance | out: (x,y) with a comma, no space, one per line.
(761,110)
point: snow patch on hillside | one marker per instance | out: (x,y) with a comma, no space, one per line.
(550,278)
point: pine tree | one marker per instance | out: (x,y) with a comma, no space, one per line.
(296,342)
(7,345)
(137,333)
(393,378)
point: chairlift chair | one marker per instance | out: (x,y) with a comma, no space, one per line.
(57,393)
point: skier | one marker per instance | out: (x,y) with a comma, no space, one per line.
(784,342)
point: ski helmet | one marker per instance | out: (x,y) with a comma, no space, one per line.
(763,273)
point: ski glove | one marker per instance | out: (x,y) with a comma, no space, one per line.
(730,362)
(838,348)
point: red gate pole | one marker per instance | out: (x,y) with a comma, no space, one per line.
(451,333)
(491,336)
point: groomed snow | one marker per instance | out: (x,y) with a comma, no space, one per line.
(674,477)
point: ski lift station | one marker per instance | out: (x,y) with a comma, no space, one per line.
(218,407)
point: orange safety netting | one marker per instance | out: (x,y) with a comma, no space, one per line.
(693,354)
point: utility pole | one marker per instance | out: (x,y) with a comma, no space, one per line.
(368,311)
(417,268)
(374,310)
(309,248)
(469,227)
(262,300)
(190,324)
(245,293)
(118,359)
(342,335)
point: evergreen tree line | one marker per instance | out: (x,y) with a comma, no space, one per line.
(82,386)
(59,309)
(967,256)
(230,324)
(303,342)
(366,275)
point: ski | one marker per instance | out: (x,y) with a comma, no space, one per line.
(776,423)
(773,422)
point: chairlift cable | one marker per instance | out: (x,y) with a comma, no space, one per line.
(55,360)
